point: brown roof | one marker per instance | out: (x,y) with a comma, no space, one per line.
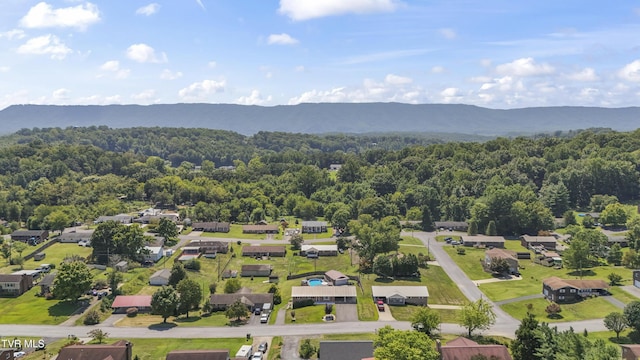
(198,355)
(256,267)
(260,227)
(539,239)
(335,275)
(249,299)
(10,277)
(115,351)
(634,349)
(556,283)
(263,249)
(122,301)
(463,349)
(500,254)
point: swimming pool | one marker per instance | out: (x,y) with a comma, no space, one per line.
(315,282)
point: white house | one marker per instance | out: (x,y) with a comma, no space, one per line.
(154,254)
(401,295)
(160,277)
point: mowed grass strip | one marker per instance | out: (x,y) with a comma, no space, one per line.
(307,315)
(470,262)
(31,309)
(194,319)
(153,349)
(596,308)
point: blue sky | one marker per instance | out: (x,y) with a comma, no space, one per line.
(492,53)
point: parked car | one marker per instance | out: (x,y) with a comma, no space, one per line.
(264,318)
(380,305)
(257,355)
(19,354)
(455,242)
(263,346)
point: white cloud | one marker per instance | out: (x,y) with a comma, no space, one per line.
(169,75)
(144,53)
(281,39)
(587,74)
(254,99)
(309,9)
(114,67)
(200,90)
(451,95)
(4,69)
(45,45)
(524,67)
(630,72)
(397,80)
(148,10)
(15,34)
(268,75)
(438,70)
(447,33)
(60,94)
(382,56)
(144,96)
(486,62)
(480,79)
(43,15)
(201,4)
(212,64)
(300,68)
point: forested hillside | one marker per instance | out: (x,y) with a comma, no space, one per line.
(520,184)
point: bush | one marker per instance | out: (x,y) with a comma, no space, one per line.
(105,304)
(302,303)
(193,265)
(213,287)
(328,308)
(239,242)
(49,296)
(132,312)
(92,317)
(100,284)
(460,251)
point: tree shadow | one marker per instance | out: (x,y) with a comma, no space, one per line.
(621,340)
(64,308)
(384,280)
(582,273)
(555,316)
(190,319)
(162,326)
(236,323)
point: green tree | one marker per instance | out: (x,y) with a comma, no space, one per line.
(232,286)
(599,202)
(73,279)
(633,232)
(425,320)
(392,344)
(296,241)
(58,220)
(632,315)
(631,259)
(164,302)
(614,279)
(477,315)
(577,256)
(427,219)
(615,322)
(277,297)
(178,273)
(190,295)
(382,266)
(588,222)
(114,279)
(553,310)
(491,229)
(168,230)
(5,251)
(102,241)
(569,218)
(473,227)
(307,349)
(614,257)
(499,266)
(19,247)
(527,341)
(613,214)
(237,310)
(98,335)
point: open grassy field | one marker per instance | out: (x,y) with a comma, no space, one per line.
(194,319)
(595,308)
(307,315)
(31,309)
(55,254)
(469,262)
(153,349)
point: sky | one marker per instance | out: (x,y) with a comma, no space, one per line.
(492,53)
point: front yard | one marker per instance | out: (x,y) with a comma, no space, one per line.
(596,308)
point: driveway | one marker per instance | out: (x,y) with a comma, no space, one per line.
(346,312)
(386,314)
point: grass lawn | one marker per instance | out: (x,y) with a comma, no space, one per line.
(153,349)
(469,262)
(308,315)
(441,238)
(148,320)
(405,313)
(275,348)
(31,309)
(55,254)
(410,240)
(622,295)
(596,308)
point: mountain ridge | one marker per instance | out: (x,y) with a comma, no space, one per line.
(320,118)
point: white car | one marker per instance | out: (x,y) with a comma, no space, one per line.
(19,354)
(257,355)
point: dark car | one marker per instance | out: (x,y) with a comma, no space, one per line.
(263,346)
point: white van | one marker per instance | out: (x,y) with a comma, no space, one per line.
(245,351)
(44,268)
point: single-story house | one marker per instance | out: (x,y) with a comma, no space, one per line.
(153,253)
(32,237)
(549,242)
(252,301)
(160,277)
(507,255)
(260,229)
(211,226)
(463,348)
(46,284)
(335,167)
(483,241)
(75,237)
(336,278)
(198,355)
(570,290)
(453,225)
(620,240)
(147,219)
(15,284)
(189,253)
(122,302)
(313,251)
(210,246)
(121,350)
(121,218)
(255,270)
(122,266)
(257,251)
(314,227)
(630,352)
(345,349)
(325,294)
(401,295)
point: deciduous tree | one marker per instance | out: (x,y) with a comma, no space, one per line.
(231,286)
(478,315)
(615,322)
(425,320)
(392,344)
(164,302)
(178,273)
(190,295)
(73,279)
(98,335)
(237,310)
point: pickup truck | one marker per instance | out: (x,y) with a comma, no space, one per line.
(380,305)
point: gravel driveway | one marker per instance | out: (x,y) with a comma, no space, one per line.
(346,312)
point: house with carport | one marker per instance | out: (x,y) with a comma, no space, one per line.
(260,229)
(336,278)
(482,241)
(401,295)
(548,242)
(314,227)
(211,226)
(325,294)
(120,350)
(32,237)
(260,251)
(464,349)
(314,251)
(122,302)
(252,301)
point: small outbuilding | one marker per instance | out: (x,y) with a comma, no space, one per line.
(160,277)
(259,270)
(336,278)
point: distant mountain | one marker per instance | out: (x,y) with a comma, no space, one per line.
(325,118)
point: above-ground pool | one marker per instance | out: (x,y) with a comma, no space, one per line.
(316,282)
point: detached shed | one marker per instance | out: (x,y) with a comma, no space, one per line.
(39,256)
(122,266)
